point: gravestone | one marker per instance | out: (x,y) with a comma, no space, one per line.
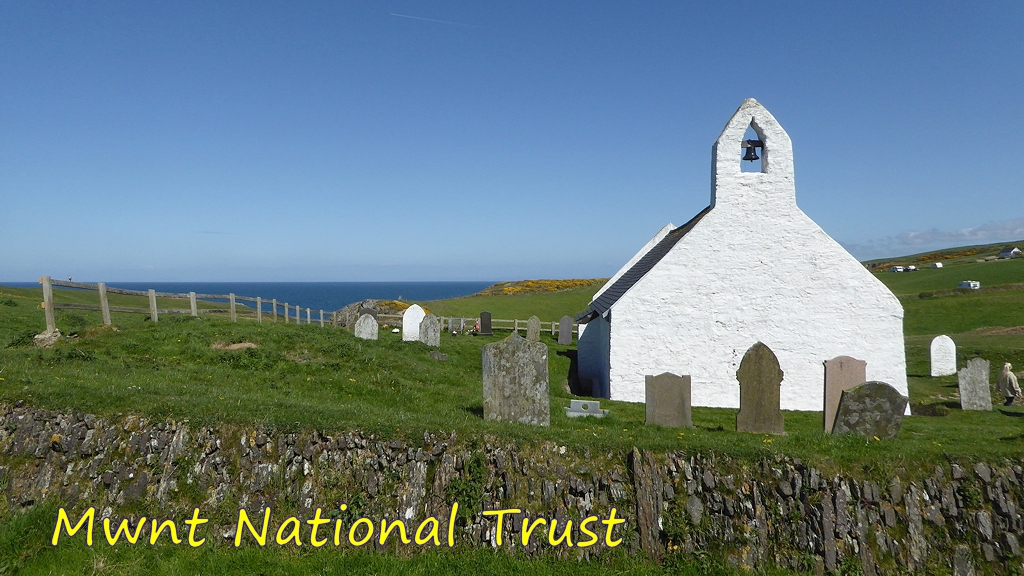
(516,381)
(438,356)
(943,354)
(870,409)
(760,378)
(485,323)
(565,331)
(668,400)
(975,392)
(580,408)
(411,319)
(366,327)
(533,329)
(367,310)
(841,373)
(430,331)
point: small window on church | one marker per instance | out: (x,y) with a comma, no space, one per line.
(751,151)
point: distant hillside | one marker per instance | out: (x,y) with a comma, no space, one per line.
(537,286)
(948,255)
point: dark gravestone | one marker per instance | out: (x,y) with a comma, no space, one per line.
(516,381)
(565,331)
(430,331)
(841,373)
(533,329)
(871,409)
(760,379)
(485,323)
(668,400)
(370,311)
(975,391)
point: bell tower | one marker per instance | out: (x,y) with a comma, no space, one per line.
(774,185)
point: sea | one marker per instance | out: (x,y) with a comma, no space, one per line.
(313,295)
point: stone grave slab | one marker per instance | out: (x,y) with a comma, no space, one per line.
(515,374)
(533,329)
(430,330)
(438,356)
(975,390)
(579,408)
(667,400)
(367,328)
(760,378)
(870,409)
(411,319)
(485,324)
(565,331)
(841,373)
(943,356)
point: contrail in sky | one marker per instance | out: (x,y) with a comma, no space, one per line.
(432,20)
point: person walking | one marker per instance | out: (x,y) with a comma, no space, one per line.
(1007,384)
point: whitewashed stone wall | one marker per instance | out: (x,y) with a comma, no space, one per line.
(755,268)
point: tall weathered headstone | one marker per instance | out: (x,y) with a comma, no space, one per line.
(430,331)
(668,400)
(411,319)
(943,354)
(485,323)
(565,330)
(870,409)
(760,378)
(516,381)
(366,327)
(975,391)
(533,329)
(841,373)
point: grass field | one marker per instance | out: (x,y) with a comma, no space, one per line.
(547,306)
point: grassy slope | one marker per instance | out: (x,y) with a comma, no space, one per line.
(991,273)
(546,306)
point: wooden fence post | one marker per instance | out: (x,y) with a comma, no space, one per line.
(285,312)
(273,306)
(153,314)
(259,310)
(51,324)
(321,318)
(308,320)
(104,305)
(231,304)
(192,304)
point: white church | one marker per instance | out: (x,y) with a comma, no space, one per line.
(751,267)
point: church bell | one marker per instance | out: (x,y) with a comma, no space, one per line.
(751,146)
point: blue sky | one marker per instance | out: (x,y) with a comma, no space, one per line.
(422,140)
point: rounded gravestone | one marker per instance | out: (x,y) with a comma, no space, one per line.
(533,329)
(411,319)
(430,330)
(943,356)
(366,327)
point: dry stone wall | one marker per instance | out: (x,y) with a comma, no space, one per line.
(777,511)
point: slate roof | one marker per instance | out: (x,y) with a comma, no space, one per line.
(644,265)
